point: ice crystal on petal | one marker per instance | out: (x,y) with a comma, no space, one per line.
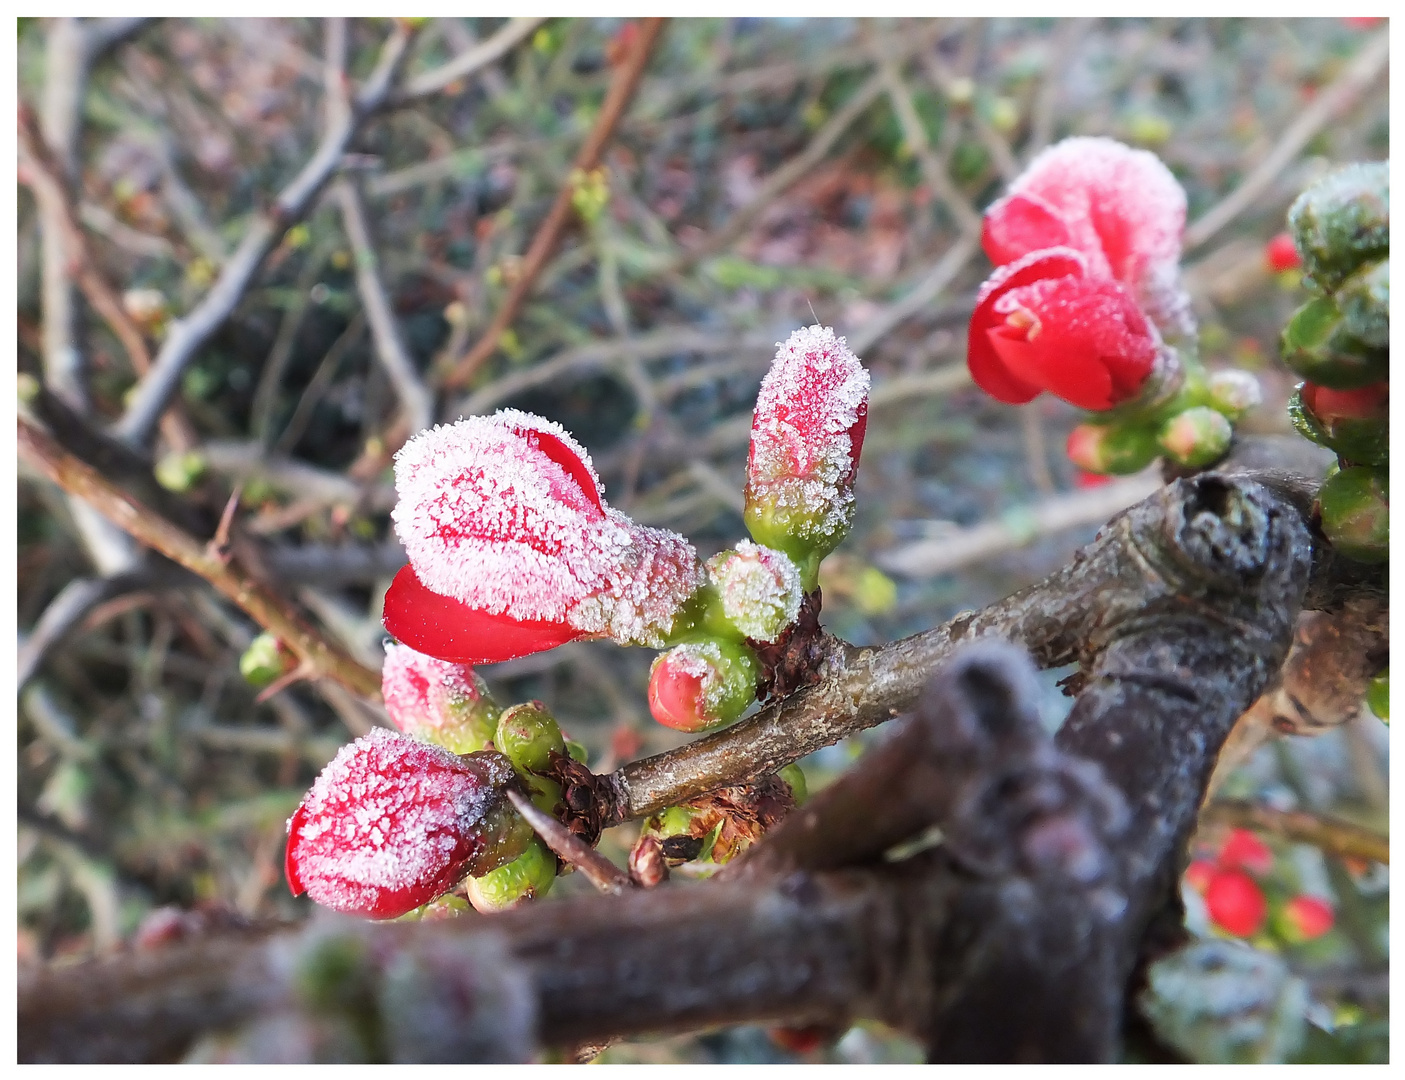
(807,431)
(760,589)
(1121,208)
(505,513)
(417,688)
(389,824)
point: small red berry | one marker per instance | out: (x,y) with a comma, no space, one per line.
(1281,254)
(1309,916)
(1236,903)
(1242,850)
(1199,874)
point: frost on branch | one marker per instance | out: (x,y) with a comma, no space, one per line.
(512,548)
(392,823)
(806,436)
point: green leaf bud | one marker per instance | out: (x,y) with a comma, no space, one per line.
(264,660)
(1342,222)
(528,734)
(1364,299)
(1318,346)
(1112,448)
(1234,392)
(793,775)
(526,878)
(1378,695)
(1196,437)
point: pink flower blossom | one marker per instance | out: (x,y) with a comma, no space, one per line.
(393,823)
(513,549)
(446,704)
(1049,322)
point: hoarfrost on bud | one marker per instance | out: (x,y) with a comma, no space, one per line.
(445,703)
(759,588)
(806,437)
(512,548)
(392,823)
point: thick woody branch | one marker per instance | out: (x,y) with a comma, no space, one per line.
(1013,941)
(1137,561)
(188,335)
(320,657)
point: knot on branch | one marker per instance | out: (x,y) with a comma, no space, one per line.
(1225,526)
(793,660)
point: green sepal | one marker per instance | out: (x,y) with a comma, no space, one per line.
(1318,346)
(528,877)
(1364,299)
(1355,507)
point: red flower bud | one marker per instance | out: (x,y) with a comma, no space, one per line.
(701,684)
(1281,254)
(1364,403)
(393,823)
(1047,322)
(1120,208)
(1236,903)
(806,436)
(1308,917)
(513,550)
(443,703)
(1242,850)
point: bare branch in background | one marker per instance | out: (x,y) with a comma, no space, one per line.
(321,658)
(188,334)
(1329,104)
(548,234)
(470,62)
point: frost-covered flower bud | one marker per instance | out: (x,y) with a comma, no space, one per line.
(513,549)
(1234,392)
(1196,437)
(806,436)
(443,703)
(759,589)
(700,684)
(1111,449)
(1356,512)
(526,878)
(393,823)
(1343,221)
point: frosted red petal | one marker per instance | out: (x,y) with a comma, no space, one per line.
(1122,208)
(513,549)
(808,428)
(418,689)
(1046,322)
(390,824)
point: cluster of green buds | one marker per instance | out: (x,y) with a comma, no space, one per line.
(1339,341)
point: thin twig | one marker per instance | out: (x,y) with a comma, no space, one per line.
(187,335)
(598,870)
(391,350)
(268,609)
(621,91)
(1331,835)
(468,63)
(1330,103)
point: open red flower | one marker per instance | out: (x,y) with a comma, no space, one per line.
(513,549)
(393,823)
(1120,208)
(1049,322)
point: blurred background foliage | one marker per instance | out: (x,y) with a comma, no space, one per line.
(149,775)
